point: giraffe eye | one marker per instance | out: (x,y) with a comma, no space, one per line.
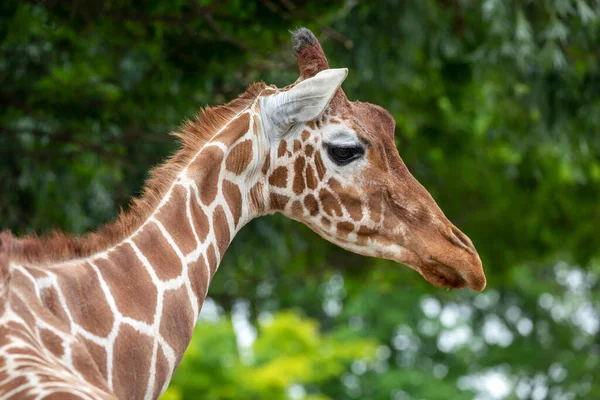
(343,155)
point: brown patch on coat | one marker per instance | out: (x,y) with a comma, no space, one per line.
(319,165)
(309,150)
(256,123)
(131,365)
(299,180)
(162,372)
(305,135)
(163,258)
(390,221)
(281,149)
(235,130)
(211,257)
(177,325)
(311,125)
(86,301)
(50,300)
(60,395)
(311,204)
(256,198)
(278,201)
(351,201)
(199,219)
(344,228)
(239,157)
(199,275)
(334,185)
(366,231)
(311,180)
(98,354)
(361,240)
(128,279)
(297,146)
(267,164)
(15,384)
(279,177)
(52,342)
(24,311)
(173,216)
(87,367)
(384,241)
(206,170)
(221,230)
(297,209)
(64,394)
(375,208)
(14,277)
(233,197)
(330,203)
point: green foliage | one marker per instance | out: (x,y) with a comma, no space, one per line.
(498,114)
(289,351)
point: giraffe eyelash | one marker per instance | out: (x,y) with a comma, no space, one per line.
(344,154)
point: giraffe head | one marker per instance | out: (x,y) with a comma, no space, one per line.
(333,165)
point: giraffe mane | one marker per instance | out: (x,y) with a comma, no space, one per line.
(58,246)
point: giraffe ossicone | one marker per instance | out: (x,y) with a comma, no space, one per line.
(109,315)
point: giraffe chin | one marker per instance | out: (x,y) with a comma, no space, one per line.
(442,275)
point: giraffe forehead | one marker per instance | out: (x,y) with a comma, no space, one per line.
(340,135)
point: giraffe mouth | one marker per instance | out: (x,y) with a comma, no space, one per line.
(442,275)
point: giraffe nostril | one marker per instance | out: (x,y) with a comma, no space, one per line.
(460,239)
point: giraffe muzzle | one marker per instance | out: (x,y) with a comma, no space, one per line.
(452,261)
(444,275)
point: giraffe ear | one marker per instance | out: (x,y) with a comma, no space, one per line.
(306,100)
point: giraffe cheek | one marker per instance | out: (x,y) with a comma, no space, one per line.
(299,181)
(330,203)
(344,228)
(390,222)
(375,208)
(311,204)
(326,223)
(353,205)
(311,180)
(319,166)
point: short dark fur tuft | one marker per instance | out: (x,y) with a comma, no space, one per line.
(301,38)
(309,53)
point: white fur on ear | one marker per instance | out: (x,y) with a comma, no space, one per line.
(305,101)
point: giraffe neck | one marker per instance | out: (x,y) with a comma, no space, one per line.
(140,299)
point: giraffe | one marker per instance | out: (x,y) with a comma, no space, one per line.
(110,314)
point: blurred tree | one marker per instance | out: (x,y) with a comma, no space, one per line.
(498,114)
(288,352)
